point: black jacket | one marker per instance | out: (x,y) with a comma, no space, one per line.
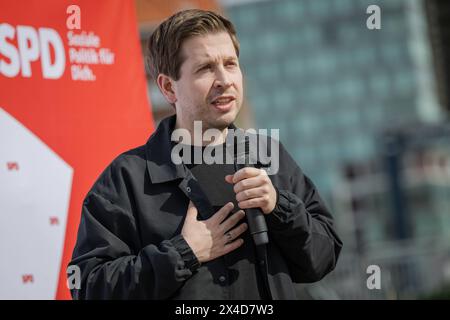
(129,244)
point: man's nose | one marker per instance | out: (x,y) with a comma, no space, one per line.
(223,79)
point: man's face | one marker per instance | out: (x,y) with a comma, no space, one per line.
(210,84)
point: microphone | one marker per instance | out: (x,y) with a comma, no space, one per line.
(255,217)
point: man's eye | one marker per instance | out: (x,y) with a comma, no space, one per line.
(231,63)
(206,67)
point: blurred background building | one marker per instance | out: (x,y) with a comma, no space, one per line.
(365,114)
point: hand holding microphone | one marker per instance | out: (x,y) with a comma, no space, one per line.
(253,189)
(254,193)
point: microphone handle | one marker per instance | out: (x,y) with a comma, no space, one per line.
(255,217)
(257,225)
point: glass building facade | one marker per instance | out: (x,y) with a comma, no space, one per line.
(315,71)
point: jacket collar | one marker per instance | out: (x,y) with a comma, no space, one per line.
(158,149)
(160,166)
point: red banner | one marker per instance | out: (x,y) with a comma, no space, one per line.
(72,97)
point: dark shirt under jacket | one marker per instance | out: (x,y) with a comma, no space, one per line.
(129,243)
(239,277)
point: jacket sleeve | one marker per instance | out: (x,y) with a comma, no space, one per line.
(111,265)
(302,226)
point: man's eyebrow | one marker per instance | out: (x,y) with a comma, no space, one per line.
(213,61)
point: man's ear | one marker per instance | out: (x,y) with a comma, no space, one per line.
(165,84)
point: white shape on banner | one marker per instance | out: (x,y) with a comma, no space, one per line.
(34,201)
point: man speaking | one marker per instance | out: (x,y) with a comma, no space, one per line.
(153,228)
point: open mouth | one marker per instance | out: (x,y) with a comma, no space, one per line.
(223,103)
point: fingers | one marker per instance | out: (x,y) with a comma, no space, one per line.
(260,202)
(232,221)
(245,173)
(236,232)
(192,211)
(256,191)
(229,178)
(232,246)
(249,183)
(223,212)
(252,193)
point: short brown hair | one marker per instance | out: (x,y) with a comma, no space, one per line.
(164,45)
